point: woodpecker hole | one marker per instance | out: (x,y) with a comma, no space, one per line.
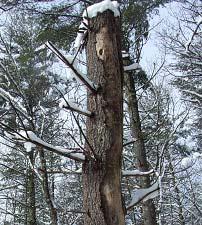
(100,52)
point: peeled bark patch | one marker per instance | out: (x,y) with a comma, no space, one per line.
(102,47)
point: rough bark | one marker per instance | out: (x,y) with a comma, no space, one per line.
(149,214)
(46,191)
(102,168)
(31,213)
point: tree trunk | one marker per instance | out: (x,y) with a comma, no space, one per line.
(102,167)
(31,214)
(177,192)
(46,190)
(149,214)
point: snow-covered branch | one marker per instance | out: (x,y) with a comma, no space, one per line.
(29,136)
(193,93)
(125,55)
(35,170)
(144,194)
(3,188)
(127,173)
(70,63)
(14,102)
(73,107)
(133,66)
(66,171)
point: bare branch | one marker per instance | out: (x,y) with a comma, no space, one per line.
(193,34)
(81,76)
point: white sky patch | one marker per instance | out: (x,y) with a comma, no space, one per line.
(48,5)
(152,51)
(199,20)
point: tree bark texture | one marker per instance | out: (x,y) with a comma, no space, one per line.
(31,214)
(149,214)
(102,167)
(46,189)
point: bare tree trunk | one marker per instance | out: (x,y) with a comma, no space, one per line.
(102,168)
(31,202)
(177,192)
(149,214)
(46,190)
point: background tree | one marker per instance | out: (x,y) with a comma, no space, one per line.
(25,74)
(184,43)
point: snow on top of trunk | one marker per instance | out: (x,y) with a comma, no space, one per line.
(100,7)
(91,12)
